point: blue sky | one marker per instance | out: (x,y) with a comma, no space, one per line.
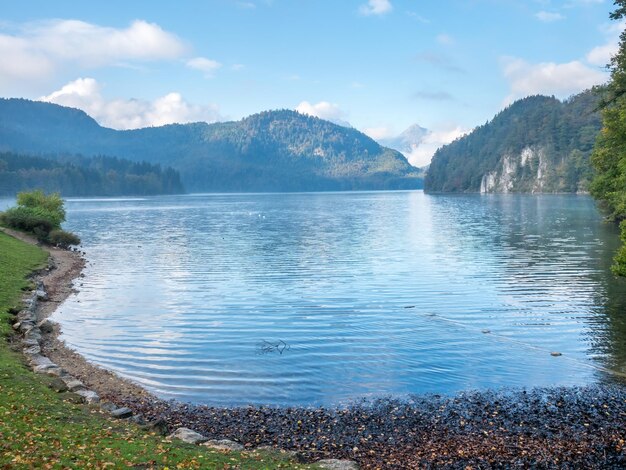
(380,65)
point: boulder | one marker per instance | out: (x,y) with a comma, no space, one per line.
(188,435)
(32,350)
(336,464)
(58,385)
(158,426)
(90,397)
(74,384)
(46,326)
(223,444)
(122,413)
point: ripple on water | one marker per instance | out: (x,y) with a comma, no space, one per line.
(320,298)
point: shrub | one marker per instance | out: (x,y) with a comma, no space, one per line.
(63,239)
(28,220)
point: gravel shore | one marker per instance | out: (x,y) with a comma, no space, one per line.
(574,427)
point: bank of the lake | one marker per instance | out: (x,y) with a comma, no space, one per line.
(40,428)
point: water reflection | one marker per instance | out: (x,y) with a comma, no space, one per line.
(375,293)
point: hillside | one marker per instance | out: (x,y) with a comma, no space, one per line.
(270,151)
(538,145)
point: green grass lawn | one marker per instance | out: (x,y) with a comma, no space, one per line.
(38,429)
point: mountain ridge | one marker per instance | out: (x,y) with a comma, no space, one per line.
(279,150)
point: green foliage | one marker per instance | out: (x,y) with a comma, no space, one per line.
(63,239)
(564,131)
(271,151)
(609,154)
(76,175)
(41,215)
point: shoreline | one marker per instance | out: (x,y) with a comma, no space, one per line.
(549,427)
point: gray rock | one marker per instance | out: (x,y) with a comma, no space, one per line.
(46,326)
(73,398)
(39,360)
(45,368)
(41,293)
(58,385)
(25,315)
(90,397)
(33,333)
(26,326)
(138,419)
(336,464)
(158,426)
(56,372)
(223,444)
(74,384)
(108,406)
(32,350)
(122,413)
(29,342)
(187,435)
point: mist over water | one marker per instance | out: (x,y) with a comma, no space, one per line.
(320,298)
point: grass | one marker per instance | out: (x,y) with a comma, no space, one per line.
(39,429)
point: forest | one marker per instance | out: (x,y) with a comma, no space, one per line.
(77,175)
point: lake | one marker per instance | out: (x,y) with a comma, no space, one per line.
(323,298)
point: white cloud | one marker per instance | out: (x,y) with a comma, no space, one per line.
(39,49)
(549,78)
(207,66)
(601,55)
(422,154)
(549,17)
(379,133)
(376,7)
(85,94)
(324,110)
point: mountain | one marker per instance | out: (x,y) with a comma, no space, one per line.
(538,145)
(270,151)
(407,141)
(75,175)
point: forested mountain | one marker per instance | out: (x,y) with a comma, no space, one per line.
(270,151)
(75,175)
(537,144)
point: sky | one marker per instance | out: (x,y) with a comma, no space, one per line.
(377,65)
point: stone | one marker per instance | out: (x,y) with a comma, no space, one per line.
(32,350)
(336,464)
(45,368)
(138,419)
(158,426)
(122,413)
(73,398)
(108,406)
(55,372)
(39,360)
(90,397)
(29,342)
(58,385)
(33,333)
(188,435)
(26,326)
(25,315)
(40,292)
(74,384)
(46,326)
(223,444)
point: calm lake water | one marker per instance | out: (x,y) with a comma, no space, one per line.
(321,298)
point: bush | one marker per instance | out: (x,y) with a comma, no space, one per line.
(63,239)
(28,220)
(41,215)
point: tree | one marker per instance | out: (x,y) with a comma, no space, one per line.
(609,154)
